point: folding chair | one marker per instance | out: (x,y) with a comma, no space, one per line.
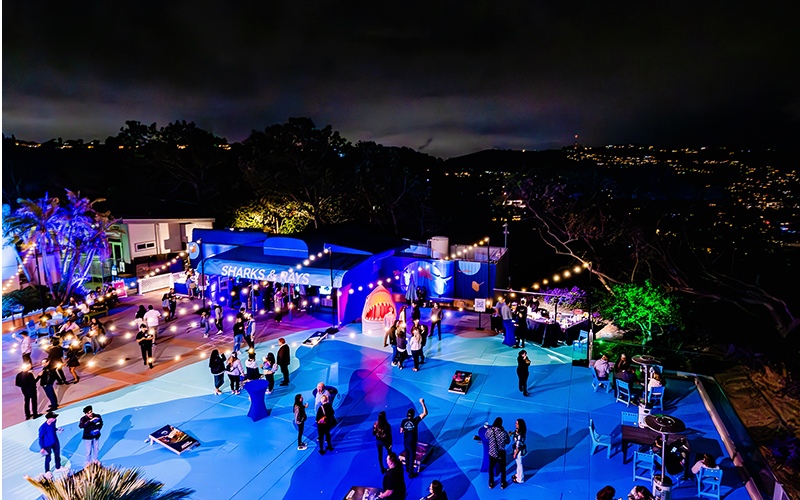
(643,465)
(599,440)
(709,482)
(624,392)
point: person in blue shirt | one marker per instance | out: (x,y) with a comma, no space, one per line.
(48,441)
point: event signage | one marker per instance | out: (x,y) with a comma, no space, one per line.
(480,305)
(255,273)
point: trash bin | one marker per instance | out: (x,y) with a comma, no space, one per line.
(662,490)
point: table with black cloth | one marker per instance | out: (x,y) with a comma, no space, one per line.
(643,436)
(550,334)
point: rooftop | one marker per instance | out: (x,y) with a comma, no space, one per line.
(242,459)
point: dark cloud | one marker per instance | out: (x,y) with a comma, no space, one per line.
(463,76)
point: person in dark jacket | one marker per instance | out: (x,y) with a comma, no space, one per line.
(46,379)
(55,358)
(523,363)
(216,363)
(284,360)
(91,423)
(325,421)
(26,382)
(383,437)
(48,441)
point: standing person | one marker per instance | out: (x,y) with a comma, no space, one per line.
(139,318)
(409,428)
(300,418)
(55,359)
(205,323)
(389,319)
(423,333)
(218,318)
(325,421)
(26,382)
(26,347)
(383,438)
(48,441)
(173,303)
(251,367)
(498,439)
(278,298)
(521,319)
(216,363)
(436,319)
(165,306)
(238,334)
(235,373)
(391,337)
(415,344)
(91,423)
(394,484)
(151,319)
(284,360)
(508,322)
(269,366)
(402,345)
(321,392)
(145,340)
(416,313)
(520,449)
(435,491)
(523,364)
(46,379)
(73,352)
(250,331)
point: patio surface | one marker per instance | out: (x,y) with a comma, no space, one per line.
(241,459)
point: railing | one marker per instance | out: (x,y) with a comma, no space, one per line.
(159,282)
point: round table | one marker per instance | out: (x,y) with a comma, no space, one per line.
(646,361)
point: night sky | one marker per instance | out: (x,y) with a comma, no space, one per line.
(448,78)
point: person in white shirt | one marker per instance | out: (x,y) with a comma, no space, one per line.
(707,461)
(152,319)
(655,381)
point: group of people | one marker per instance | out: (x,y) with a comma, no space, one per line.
(408,340)
(498,439)
(623,370)
(49,445)
(639,492)
(56,358)
(220,365)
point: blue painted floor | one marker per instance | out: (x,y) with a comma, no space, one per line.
(241,459)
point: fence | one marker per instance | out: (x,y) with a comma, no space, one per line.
(157,282)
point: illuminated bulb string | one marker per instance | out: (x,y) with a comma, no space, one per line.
(566,274)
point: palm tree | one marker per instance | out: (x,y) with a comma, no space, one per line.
(73,232)
(32,225)
(100,483)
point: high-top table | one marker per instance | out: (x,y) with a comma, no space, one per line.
(257,390)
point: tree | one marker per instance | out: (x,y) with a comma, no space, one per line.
(71,234)
(643,307)
(98,482)
(297,161)
(580,212)
(271,216)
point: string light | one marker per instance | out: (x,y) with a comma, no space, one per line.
(565,274)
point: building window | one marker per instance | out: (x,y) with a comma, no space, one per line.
(147,245)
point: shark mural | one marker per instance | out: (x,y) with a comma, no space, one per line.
(435,277)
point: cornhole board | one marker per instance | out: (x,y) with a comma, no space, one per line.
(460,382)
(362,493)
(423,450)
(173,439)
(315,339)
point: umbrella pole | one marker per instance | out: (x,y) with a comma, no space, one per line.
(663,458)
